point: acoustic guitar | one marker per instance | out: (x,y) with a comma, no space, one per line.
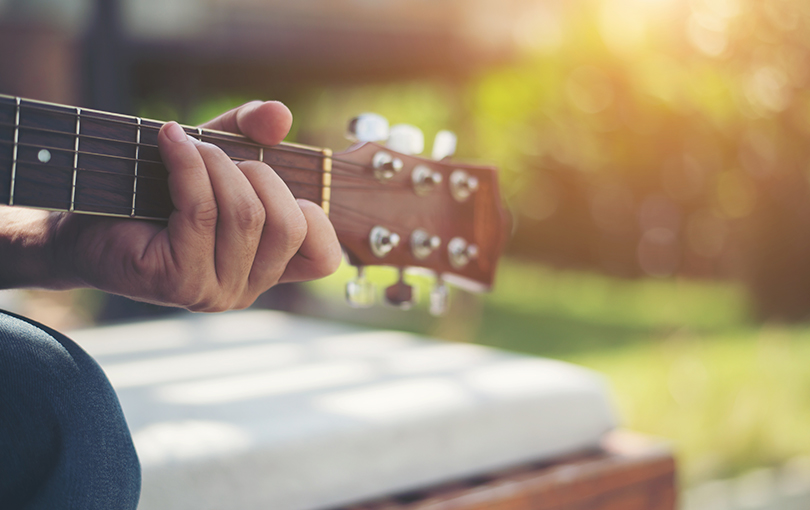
(388,207)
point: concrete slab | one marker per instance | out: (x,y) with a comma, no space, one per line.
(265,410)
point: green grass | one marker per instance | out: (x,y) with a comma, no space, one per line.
(729,402)
(683,358)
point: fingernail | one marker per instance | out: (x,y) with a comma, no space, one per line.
(176,133)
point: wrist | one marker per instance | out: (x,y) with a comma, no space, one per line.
(28,256)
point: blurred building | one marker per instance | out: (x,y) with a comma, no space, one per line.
(104,53)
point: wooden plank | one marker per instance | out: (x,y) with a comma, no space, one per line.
(623,475)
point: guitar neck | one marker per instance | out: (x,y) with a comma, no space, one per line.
(387,207)
(73,159)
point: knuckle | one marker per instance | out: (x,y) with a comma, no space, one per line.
(204,214)
(250,214)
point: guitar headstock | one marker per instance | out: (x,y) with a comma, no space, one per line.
(391,207)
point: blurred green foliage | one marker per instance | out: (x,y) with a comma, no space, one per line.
(729,402)
(635,137)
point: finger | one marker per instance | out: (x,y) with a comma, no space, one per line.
(285,226)
(264,122)
(241,218)
(192,225)
(320,253)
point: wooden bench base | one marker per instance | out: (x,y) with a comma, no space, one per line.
(628,473)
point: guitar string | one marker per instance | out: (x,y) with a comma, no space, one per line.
(237,138)
(86,204)
(155,162)
(83,203)
(90,206)
(147,161)
(123,158)
(346,208)
(164,179)
(225,137)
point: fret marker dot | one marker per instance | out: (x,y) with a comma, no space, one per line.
(44,155)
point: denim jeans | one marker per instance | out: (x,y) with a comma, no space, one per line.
(64,442)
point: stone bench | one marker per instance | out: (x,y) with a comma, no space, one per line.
(265,410)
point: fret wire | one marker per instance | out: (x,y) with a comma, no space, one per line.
(211,136)
(326,190)
(14,151)
(137,155)
(261,154)
(155,162)
(76,158)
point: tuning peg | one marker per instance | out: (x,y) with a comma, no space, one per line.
(444,145)
(382,241)
(439,299)
(423,244)
(462,185)
(360,293)
(460,252)
(400,294)
(406,139)
(425,180)
(368,127)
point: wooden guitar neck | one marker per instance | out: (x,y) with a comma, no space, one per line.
(72,159)
(387,207)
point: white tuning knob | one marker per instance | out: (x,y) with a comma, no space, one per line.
(360,293)
(439,299)
(368,127)
(406,139)
(444,145)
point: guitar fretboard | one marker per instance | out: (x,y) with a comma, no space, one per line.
(73,159)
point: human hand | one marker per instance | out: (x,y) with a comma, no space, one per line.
(235,232)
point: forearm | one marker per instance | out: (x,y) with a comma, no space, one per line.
(26,250)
